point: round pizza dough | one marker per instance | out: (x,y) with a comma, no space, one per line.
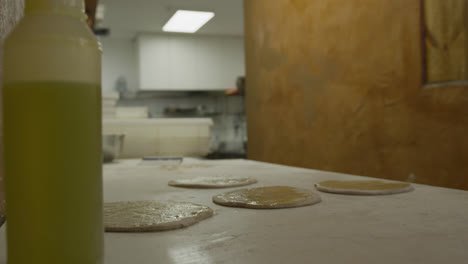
(149,216)
(268,197)
(213,182)
(363,187)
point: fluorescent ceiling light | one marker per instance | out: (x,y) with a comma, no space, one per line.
(187,21)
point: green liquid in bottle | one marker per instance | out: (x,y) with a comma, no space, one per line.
(53,175)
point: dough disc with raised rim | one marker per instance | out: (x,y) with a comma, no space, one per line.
(267,197)
(213,182)
(364,187)
(149,216)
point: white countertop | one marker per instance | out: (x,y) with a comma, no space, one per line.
(427,225)
(161,121)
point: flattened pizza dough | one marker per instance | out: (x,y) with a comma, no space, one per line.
(267,197)
(213,182)
(364,187)
(149,216)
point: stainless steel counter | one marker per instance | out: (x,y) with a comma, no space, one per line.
(427,225)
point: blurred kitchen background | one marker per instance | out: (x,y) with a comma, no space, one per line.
(375,87)
(368,87)
(173,93)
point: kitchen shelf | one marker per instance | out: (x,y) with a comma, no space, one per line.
(172,94)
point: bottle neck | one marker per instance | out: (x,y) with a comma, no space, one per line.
(73,8)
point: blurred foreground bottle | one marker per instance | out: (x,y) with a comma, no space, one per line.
(52,137)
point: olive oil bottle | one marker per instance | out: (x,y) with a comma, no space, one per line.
(52,137)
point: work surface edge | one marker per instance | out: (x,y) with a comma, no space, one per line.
(426,225)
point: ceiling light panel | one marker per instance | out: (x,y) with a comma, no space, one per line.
(187,21)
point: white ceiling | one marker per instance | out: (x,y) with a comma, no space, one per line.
(125,18)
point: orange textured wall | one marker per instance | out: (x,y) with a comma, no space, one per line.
(337,85)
